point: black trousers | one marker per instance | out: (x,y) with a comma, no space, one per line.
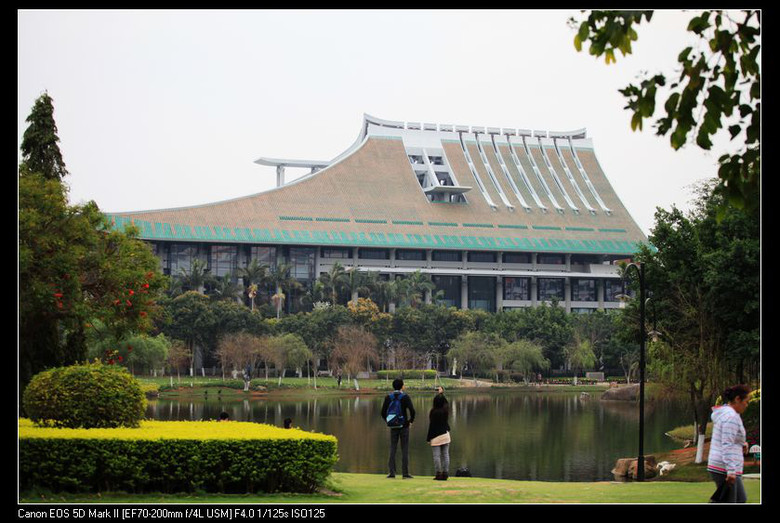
(736,493)
(401,434)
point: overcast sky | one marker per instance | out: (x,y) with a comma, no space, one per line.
(162,109)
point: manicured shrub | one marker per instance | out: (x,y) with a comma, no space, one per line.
(92,395)
(175,456)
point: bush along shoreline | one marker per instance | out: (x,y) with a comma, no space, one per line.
(175,456)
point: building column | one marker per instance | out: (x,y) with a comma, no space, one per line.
(567,292)
(499,293)
(465,261)
(600,293)
(392,257)
(354,256)
(464,292)
(279,175)
(568,262)
(428,258)
(316,263)
(534,290)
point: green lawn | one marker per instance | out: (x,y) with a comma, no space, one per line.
(373,488)
(328,385)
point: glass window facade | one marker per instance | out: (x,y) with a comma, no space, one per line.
(517,289)
(451,256)
(583,290)
(338,252)
(549,288)
(374,254)
(265,255)
(517,257)
(302,261)
(613,289)
(181,256)
(551,259)
(482,293)
(585,259)
(223,260)
(451,286)
(482,257)
(582,310)
(410,254)
(160,249)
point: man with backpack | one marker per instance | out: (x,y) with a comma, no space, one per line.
(398,413)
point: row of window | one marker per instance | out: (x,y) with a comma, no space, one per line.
(223,258)
(481,290)
(451,256)
(227,259)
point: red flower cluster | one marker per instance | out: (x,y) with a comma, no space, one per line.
(58,299)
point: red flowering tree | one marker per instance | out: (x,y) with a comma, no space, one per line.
(74,269)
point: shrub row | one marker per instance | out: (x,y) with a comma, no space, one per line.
(170,457)
(412,374)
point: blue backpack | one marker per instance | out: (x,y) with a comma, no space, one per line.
(395,412)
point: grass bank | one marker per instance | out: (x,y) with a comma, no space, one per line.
(375,488)
(207,386)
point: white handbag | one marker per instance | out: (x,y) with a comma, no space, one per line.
(441,440)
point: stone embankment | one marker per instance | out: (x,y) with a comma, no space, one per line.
(622,393)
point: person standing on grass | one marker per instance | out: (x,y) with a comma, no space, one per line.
(439,436)
(728,444)
(398,413)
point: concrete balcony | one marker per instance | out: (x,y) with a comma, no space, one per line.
(516,303)
(446,265)
(373,263)
(584,304)
(482,266)
(550,267)
(419,264)
(517,266)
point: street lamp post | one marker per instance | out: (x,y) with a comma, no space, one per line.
(640,463)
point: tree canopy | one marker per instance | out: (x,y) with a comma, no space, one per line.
(76,272)
(40,142)
(718,87)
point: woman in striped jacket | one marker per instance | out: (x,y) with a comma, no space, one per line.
(728,444)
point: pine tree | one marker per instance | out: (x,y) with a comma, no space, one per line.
(40,149)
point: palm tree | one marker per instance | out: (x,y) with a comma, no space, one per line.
(371,283)
(224,288)
(194,278)
(254,276)
(415,286)
(387,293)
(279,276)
(356,282)
(334,281)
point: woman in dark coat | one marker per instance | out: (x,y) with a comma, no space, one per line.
(439,437)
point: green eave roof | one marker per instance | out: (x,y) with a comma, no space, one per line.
(608,241)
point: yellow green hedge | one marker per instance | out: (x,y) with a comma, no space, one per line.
(175,456)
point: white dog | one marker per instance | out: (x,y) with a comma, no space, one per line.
(665,466)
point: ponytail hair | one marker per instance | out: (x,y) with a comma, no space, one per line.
(737,391)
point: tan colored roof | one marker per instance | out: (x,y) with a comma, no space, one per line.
(372,198)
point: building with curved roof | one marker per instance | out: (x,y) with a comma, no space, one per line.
(498,217)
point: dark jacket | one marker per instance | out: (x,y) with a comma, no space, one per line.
(406,405)
(438,422)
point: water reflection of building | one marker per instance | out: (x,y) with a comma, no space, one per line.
(500,218)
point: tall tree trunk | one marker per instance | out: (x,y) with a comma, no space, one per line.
(702,413)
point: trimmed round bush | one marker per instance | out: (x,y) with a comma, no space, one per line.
(92,395)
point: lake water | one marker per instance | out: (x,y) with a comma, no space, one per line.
(545,436)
